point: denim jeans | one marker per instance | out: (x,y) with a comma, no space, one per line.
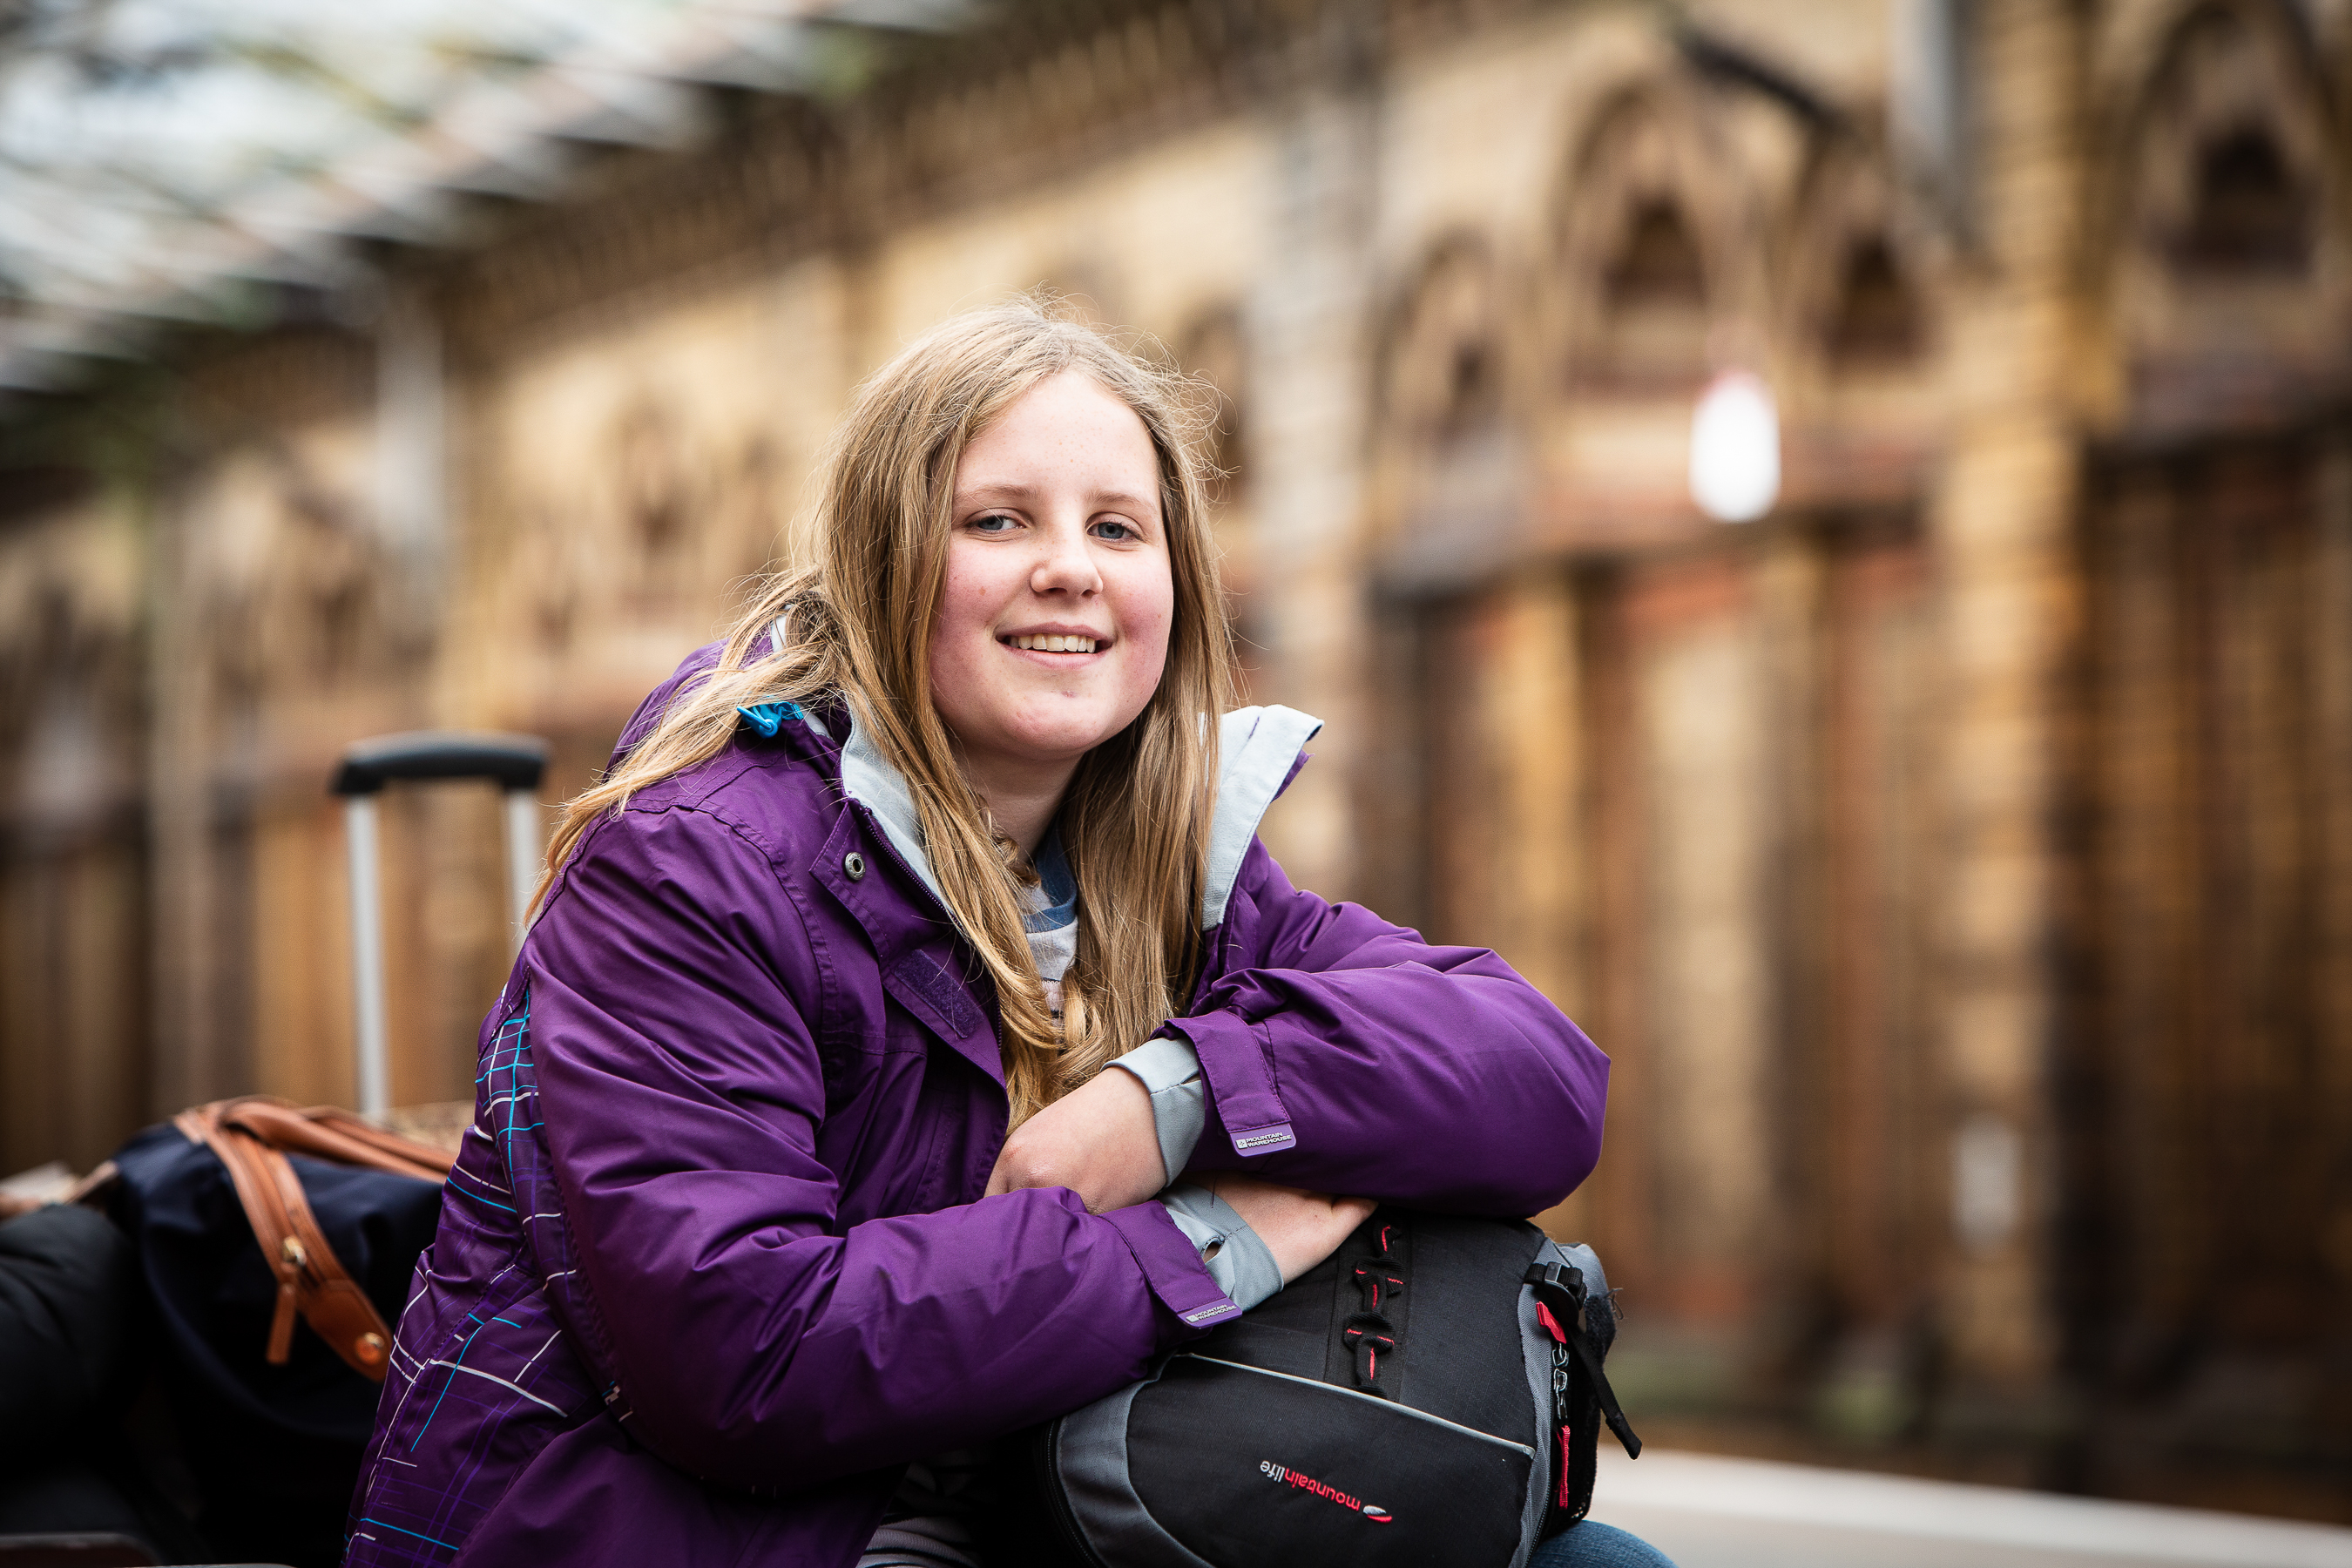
(1596,1545)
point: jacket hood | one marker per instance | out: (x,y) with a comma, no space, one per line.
(1258,751)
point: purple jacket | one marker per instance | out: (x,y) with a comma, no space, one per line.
(713,1263)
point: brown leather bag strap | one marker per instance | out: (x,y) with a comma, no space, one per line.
(310,1278)
(325,1132)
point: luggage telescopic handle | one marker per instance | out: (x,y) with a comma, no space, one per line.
(515,763)
(511,762)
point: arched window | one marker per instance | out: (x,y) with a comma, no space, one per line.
(2219,293)
(1876,323)
(1642,266)
(1653,321)
(1213,348)
(1659,265)
(1442,371)
(2248,212)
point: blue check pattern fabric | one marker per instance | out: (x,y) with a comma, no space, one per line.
(482,1353)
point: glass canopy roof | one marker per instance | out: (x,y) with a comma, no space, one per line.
(160,160)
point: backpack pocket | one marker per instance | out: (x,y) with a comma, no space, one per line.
(1244,1467)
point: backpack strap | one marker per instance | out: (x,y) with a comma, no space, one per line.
(251,1136)
(1559,1303)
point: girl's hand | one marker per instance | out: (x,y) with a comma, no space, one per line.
(1098,1141)
(1300,1228)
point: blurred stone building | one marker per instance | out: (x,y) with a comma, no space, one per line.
(1957,862)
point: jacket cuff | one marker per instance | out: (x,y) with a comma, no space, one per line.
(1238,1258)
(1171,1265)
(1236,1060)
(1170,1074)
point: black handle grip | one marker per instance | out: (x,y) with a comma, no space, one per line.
(511,762)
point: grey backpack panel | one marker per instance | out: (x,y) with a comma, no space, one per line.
(1088,1453)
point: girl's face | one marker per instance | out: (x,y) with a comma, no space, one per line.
(1053,621)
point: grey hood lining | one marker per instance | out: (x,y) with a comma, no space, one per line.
(868,778)
(1257,749)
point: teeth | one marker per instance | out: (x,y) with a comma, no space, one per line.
(1055,644)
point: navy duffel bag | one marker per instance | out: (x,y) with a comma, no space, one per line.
(277,1244)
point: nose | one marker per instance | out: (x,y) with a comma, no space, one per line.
(1066,565)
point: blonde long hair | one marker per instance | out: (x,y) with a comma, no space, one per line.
(1135,823)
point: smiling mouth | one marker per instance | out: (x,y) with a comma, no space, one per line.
(1053,644)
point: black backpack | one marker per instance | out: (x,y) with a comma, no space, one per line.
(1430,1395)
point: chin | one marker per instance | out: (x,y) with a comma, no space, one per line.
(1062,743)
(1064,735)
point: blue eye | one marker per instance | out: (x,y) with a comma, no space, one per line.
(1112,528)
(994,522)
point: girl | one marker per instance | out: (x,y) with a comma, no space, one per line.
(916,941)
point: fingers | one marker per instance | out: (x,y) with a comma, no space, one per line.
(1100,1142)
(1299,1228)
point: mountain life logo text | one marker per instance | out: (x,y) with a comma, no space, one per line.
(1285,1476)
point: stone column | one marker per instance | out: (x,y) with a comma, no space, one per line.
(2331,714)
(1310,375)
(2001,520)
(1528,712)
(1529,703)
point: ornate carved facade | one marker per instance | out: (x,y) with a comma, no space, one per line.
(1957,863)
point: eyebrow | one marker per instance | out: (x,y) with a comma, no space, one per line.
(1124,498)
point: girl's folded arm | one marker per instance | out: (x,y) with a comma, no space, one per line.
(756,1341)
(1349,1056)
